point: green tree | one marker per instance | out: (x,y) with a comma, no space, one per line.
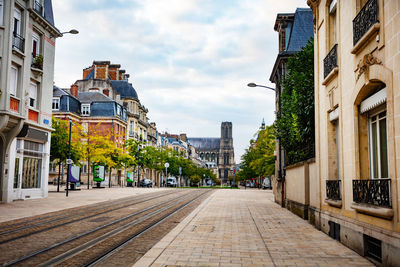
(295,119)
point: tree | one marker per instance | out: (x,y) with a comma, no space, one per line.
(295,118)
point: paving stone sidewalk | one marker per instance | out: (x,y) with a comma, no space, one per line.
(246,228)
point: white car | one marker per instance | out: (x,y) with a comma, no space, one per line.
(171,181)
(267,183)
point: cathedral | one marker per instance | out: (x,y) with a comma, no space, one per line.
(218,151)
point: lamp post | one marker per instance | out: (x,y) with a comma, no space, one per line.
(69,160)
(258,85)
(166,165)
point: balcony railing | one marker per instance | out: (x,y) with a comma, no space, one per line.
(374,191)
(364,20)
(18,42)
(14,104)
(33,115)
(330,61)
(333,190)
(38,7)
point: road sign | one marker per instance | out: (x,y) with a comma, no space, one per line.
(166,165)
(70,161)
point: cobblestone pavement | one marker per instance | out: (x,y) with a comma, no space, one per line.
(246,228)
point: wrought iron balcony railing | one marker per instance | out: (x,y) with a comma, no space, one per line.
(364,20)
(374,191)
(333,190)
(330,61)
(37,6)
(18,42)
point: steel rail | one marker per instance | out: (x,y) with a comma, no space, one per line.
(75,220)
(36,253)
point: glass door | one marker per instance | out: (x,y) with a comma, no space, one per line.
(17,177)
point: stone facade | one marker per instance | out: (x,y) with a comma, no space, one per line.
(357,100)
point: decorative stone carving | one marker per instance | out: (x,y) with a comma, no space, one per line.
(365,62)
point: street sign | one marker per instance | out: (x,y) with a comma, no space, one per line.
(166,165)
(70,161)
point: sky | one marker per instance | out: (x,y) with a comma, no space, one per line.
(189,60)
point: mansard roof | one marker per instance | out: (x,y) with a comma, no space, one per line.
(302,29)
(205,143)
(57,91)
(124,88)
(48,12)
(89,97)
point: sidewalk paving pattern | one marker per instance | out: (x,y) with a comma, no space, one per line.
(246,228)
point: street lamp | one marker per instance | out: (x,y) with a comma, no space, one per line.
(69,160)
(258,85)
(73,31)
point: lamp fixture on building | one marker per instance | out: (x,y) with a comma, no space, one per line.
(257,85)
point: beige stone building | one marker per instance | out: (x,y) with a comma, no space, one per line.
(354,196)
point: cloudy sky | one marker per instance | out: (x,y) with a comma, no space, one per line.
(190,60)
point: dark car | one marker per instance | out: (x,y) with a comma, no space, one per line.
(146,183)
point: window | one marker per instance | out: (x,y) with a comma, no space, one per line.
(1,11)
(378,145)
(35,45)
(332,24)
(17,22)
(13,81)
(32,164)
(33,92)
(118,110)
(85,109)
(56,104)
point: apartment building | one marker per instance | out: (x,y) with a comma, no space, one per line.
(27,50)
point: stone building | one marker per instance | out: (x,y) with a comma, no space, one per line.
(294,30)
(217,150)
(354,196)
(27,33)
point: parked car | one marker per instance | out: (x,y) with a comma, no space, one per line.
(171,181)
(146,183)
(267,183)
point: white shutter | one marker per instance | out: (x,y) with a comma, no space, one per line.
(13,81)
(1,11)
(17,20)
(33,93)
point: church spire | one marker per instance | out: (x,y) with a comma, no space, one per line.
(262,125)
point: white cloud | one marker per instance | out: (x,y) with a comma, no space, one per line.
(189,60)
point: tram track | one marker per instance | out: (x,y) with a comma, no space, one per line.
(43,226)
(130,225)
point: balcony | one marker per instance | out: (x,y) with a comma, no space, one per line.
(38,7)
(18,42)
(33,115)
(330,61)
(14,104)
(365,19)
(333,193)
(37,61)
(373,197)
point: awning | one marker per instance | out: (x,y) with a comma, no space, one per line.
(373,101)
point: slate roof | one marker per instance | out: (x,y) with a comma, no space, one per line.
(89,97)
(302,29)
(48,12)
(125,89)
(57,91)
(205,143)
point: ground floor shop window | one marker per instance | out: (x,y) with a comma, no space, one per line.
(31,172)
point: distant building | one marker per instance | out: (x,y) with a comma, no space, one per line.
(217,150)
(28,35)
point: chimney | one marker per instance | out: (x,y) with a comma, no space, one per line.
(106,92)
(101,69)
(74,90)
(121,74)
(113,71)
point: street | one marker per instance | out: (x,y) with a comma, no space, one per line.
(229,228)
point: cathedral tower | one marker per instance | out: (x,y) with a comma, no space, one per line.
(226,152)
